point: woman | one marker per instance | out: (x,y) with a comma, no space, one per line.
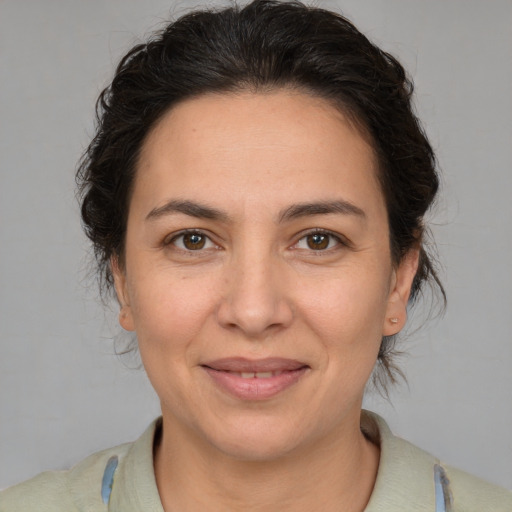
(255,193)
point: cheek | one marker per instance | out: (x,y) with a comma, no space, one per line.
(347,310)
(347,316)
(170,310)
(170,316)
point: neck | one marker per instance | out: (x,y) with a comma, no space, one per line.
(336,473)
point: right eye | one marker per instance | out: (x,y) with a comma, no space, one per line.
(320,241)
(191,241)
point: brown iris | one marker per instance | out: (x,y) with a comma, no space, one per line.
(194,241)
(318,241)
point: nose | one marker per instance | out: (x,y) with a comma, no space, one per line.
(255,300)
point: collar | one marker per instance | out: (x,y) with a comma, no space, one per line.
(405,479)
(134,487)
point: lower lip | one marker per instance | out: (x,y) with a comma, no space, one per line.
(255,388)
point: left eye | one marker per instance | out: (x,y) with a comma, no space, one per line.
(318,241)
(193,241)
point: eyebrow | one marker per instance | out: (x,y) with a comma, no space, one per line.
(202,211)
(321,208)
(190,208)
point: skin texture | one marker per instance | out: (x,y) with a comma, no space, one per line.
(254,288)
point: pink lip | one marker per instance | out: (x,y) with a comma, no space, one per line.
(226,374)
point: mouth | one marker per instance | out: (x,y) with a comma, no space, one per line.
(260,379)
(257,375)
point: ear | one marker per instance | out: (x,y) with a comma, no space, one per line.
(125,313)
(403,276)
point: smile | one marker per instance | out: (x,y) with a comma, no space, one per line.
(255,380)
(257,375)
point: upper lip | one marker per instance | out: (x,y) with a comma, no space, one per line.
(241,364)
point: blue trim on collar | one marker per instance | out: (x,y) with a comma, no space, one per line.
(108,478)
(442,487)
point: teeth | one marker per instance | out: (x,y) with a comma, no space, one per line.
(259,375)
(263,375)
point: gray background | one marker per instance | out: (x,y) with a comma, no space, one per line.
(63,392)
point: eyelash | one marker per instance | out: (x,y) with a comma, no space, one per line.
(190,232)
(339,241)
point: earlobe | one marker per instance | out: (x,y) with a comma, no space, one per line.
(125,313)
(126,318)
(396,313)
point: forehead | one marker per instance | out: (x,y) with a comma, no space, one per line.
(289,144)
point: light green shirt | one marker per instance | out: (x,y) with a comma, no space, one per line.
(408,480)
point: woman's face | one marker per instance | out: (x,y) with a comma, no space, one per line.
(257,272)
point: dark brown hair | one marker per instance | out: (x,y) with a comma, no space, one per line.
(263,46)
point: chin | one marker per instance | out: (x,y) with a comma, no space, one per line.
(256,440)
(262,449)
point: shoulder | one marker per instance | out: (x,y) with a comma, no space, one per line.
(469,493)
(120,478)
(76,490)
(461,491)
(45,492)
(410,479)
